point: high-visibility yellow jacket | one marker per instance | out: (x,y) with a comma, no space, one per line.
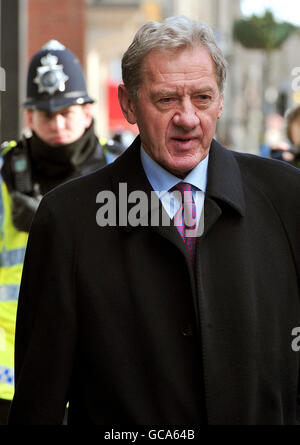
(12,251)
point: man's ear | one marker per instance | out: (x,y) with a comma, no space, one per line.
(87,109)
(127,105)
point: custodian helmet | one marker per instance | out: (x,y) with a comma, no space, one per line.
(55,79)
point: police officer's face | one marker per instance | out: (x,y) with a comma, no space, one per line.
(62,127)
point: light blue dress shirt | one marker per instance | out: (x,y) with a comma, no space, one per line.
(162,181)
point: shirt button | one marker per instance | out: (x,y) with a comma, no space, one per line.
(187,330)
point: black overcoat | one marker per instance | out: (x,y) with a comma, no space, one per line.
(116,321)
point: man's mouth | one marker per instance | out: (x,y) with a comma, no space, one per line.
(58,140)
(184,141)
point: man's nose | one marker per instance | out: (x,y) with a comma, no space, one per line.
(58,121)
(186,117)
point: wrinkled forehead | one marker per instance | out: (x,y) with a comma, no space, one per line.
(197,54)
(183,64)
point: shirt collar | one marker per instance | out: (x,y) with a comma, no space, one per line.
(161,180)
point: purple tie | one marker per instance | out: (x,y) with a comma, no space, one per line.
(185,218)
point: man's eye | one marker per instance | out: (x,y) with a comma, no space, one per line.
(167,100)
(204,97)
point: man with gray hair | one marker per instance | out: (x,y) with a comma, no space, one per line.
(190,319)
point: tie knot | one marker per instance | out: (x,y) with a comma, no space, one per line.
(186,214)
(186,191)
(183,187)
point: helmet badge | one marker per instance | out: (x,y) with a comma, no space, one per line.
(50,76)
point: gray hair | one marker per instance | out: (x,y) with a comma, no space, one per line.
(170,35)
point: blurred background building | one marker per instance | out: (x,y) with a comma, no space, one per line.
(258,90)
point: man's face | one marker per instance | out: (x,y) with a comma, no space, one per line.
(61,127)
(177,109)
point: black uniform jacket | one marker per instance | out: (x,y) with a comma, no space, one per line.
(116,321)
(48,178)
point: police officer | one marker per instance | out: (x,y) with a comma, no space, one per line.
(62,146)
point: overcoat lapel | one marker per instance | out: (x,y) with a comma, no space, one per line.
(224,185)
(132,173)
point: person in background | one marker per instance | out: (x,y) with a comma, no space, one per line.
(62,146)
(175,320)
(293,134)
(289,151)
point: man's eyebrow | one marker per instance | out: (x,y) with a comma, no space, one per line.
(204,90)
(164,93)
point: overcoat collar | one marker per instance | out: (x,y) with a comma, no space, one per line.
(129,170)
(224,183)
(224,186)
